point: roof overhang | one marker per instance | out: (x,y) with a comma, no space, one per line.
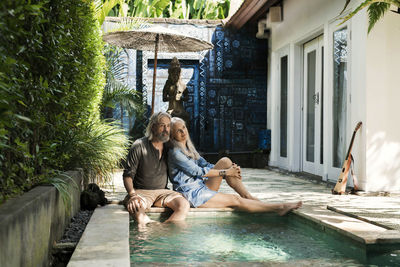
(250,12)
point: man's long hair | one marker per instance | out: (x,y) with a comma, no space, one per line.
(154,120)
(189,150)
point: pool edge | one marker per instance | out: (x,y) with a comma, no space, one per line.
(108,230)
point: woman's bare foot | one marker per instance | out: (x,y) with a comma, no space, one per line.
(289,206)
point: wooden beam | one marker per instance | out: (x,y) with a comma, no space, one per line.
(242,13)
(261,12)
(250,10)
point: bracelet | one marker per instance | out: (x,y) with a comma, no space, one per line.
(222,173)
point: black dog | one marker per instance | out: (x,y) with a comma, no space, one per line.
(91,197)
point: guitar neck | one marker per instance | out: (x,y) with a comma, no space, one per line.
(351,143)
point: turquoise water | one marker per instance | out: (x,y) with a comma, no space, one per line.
(235,238)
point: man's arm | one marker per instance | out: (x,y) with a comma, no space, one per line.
(128,183)
(130,167)
(134,202)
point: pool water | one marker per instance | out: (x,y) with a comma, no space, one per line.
(234,238)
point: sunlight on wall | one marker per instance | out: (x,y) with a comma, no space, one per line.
(383,164)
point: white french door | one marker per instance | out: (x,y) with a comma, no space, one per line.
(339,98)
(313,107)
(283,107)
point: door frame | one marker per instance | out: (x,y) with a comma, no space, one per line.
(334,172)
(316,45)
(282,162)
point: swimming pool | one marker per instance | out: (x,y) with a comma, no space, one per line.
(234,238)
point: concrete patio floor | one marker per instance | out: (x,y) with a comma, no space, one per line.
(366,218)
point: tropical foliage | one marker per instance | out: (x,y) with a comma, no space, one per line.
(376,10)
(180,9)
(51,85)
(116,91)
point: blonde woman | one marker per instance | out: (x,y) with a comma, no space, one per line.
(199,180)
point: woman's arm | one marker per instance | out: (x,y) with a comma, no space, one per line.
(204,163)
(186,165)
(232,171)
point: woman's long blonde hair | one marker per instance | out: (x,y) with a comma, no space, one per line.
(189,150)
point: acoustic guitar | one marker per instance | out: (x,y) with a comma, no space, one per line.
(340,187)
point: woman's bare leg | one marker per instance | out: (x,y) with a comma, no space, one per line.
(237,185)
(221,200)
(215,182)
(234,182)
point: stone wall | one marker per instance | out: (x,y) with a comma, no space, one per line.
(31,223)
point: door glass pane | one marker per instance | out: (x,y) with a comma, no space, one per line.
(339,95)
(311,68)
(283,115)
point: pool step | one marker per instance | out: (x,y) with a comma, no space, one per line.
(361,231)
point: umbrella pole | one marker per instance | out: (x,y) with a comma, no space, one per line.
(154,74)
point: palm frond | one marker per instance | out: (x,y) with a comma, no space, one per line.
(355,11)
(129,23)
(116,66)
(345,6)
(103,8)
(376,12)
(118,92)
(64,187)
(98,148)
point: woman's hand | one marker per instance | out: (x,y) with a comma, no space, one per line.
(234,171)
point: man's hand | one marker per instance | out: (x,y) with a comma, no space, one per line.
(135,204)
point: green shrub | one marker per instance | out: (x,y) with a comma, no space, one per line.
(51,84)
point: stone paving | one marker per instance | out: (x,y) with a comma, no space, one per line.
(272,185)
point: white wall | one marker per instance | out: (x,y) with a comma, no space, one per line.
(383,105)
(304,20)
(301,18)
(374,88)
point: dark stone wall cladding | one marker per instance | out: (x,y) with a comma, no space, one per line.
(236,92)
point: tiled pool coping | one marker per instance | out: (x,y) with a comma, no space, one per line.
(105,241)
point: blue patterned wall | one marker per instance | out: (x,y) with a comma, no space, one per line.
(236,92)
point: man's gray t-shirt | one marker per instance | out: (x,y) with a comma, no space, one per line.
(143,164)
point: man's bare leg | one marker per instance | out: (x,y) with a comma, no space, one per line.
(141,218)
(136,207)
(180,207)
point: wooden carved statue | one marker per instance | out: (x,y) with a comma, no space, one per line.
(175,92)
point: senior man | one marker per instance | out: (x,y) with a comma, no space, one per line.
(145,174)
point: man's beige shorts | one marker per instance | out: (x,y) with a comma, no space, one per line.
(150,197)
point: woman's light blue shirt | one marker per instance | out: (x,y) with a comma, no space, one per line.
(186,175)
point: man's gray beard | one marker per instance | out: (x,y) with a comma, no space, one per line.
(161,138)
